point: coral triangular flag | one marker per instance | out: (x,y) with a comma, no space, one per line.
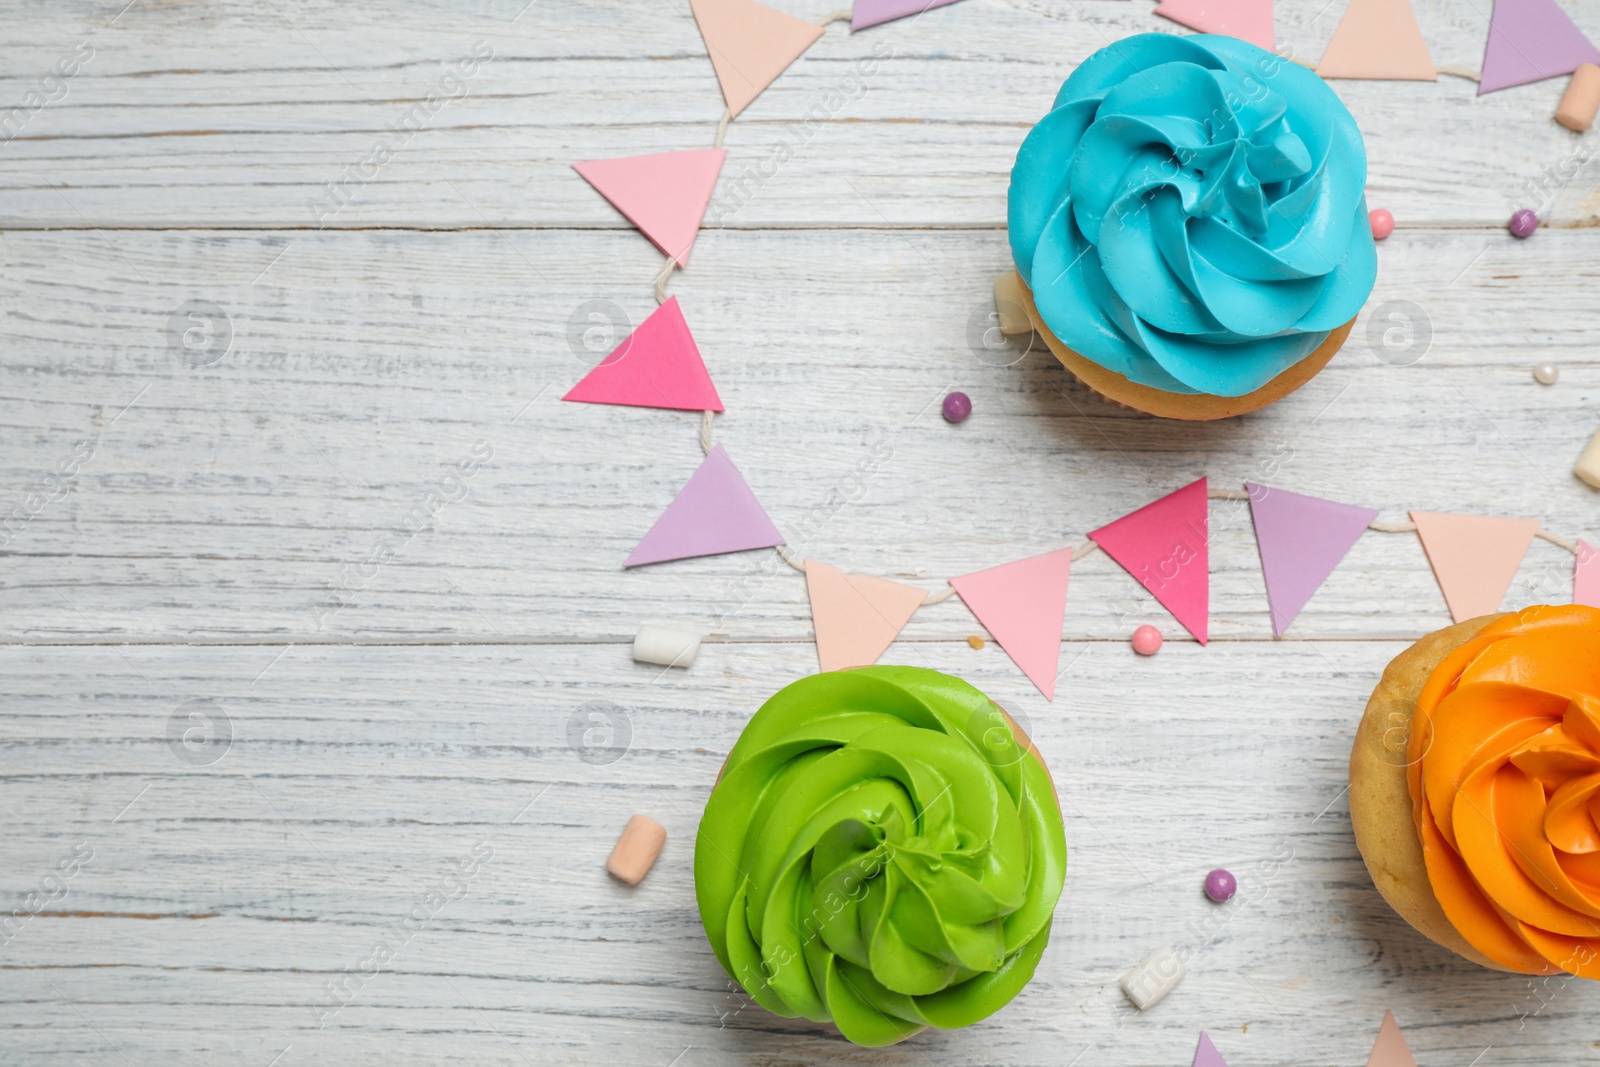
(872,12)
(1390,1050)
(750,45)
(1206,1054)
(656,366)
(1248,20)
(665,194)
(1378,39)
(1023,604)
(1530,40)
(1474,557)
(857,617)
(1301,539)
(714,512)
(1163,545)
(1586,575)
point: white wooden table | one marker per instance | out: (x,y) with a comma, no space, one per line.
(365,747)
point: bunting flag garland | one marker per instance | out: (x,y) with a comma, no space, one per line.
(665,194)
(1165,546)
(1206,1054)
(1378,39)
(750,45)
(656,366)
(1474,557)
(874,12)
(1249,20)
(1301,540)
(1530,40)
(1024,605)
(1586,575)
(715,512)
(1390,1049)
(856,617)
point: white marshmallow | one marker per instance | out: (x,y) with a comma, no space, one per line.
(1153,979)
(1588,465)
(665,646)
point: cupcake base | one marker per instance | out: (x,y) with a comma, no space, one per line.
(1380,800)
(1196,407)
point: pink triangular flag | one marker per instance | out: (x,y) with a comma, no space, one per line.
(872,12)
(1586,575)
(1474,557)
(656,366)
(714,512)
(1206,1054)
(1390,1050)
(750,45)
(1248,20)
(1163,545)
(857,617)
(1023,604)
(1530,40)
(665,194)
(1301,539)
(1378,39)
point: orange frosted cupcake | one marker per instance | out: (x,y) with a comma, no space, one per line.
(1475,789)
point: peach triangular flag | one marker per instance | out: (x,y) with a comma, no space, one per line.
(1023,604)
(1378,39)
(1474,557)
(665,194)
(857,617)
(1390,1049)
(750,45)
(1248,20)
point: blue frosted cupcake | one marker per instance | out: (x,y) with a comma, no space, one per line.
(1190,227)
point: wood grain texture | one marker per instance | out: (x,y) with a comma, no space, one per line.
(263,529)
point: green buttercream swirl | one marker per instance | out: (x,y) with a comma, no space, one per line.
(880,852)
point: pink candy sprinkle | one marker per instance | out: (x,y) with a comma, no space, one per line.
(1382,223)
(1147,640)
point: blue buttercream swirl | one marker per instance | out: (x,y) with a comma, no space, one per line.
(1191,213)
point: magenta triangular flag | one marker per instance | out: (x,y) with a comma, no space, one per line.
(664,194)
(1530,40)
(872,12)
(714,512)
(1586,575)
(1206,1054)
(656,366)
(1023,604)
(1301,539)
(1163,545)
(1248,20)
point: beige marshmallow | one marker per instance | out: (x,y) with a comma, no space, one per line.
(1009,306)
(1581,100)
(637,849)
(1588,465)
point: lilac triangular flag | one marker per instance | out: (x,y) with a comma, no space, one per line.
(872,12)
(1301,538)
(714,512)
(1206,1054)
(1530,40)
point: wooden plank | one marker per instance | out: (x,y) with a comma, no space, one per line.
(229,501)
(245,118)
(220,897)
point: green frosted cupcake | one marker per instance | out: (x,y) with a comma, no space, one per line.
(883,851)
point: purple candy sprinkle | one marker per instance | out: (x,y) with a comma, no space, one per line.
(1220,885)
(1523,223)
(957,406)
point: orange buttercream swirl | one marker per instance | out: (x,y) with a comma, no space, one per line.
(1504,771)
